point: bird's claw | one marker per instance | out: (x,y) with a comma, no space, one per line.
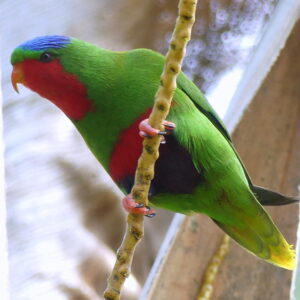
(147,131)
(133,207)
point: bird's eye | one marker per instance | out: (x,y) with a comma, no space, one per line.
(46,57)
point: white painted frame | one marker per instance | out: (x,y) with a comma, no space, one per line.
(3,236)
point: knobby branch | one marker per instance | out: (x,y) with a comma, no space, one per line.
(145,169)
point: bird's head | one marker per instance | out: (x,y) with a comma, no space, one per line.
(37,58)
(37,64)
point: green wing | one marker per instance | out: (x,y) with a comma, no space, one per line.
(264,196)
(193,92)
(199,100)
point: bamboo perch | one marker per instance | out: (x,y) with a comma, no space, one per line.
(145,169)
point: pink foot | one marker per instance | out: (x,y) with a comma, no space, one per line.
(148,131)
(133,207)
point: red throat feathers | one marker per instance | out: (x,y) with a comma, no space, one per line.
(65,90)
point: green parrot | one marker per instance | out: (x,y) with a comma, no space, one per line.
(109,95)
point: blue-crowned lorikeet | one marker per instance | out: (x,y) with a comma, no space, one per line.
(108,95)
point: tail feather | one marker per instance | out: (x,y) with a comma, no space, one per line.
(268,197)
(261,237)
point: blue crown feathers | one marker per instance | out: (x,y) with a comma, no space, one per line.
(46,42)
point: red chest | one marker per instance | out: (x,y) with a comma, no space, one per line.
(127,151)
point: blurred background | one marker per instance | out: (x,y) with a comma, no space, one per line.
(64,217)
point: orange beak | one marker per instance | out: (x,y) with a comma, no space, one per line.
(17,76)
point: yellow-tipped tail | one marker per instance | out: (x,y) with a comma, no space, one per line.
(285,259)
(263,240)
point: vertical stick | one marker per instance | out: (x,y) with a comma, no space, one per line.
(145,169)
(211,272)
